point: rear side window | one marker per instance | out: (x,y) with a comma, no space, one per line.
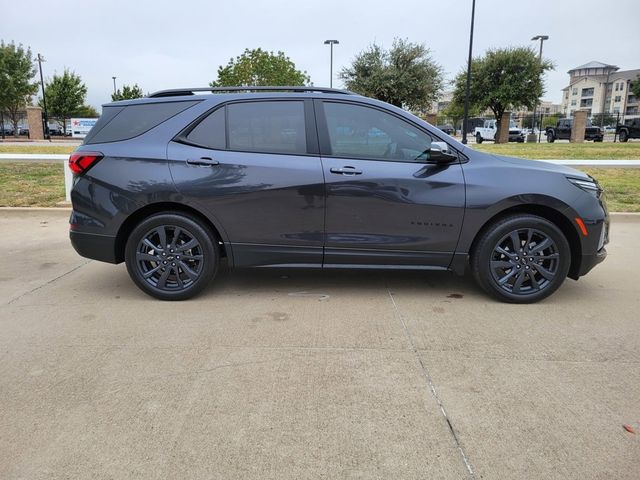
(134,120)
(210,132)
(267,127)
(107,115)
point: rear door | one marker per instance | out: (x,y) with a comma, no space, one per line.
(386,203)
(254,167)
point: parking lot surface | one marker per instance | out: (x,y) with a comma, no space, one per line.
(283,374)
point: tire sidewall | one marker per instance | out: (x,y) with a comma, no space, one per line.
(204,236)
(490,237)
(623,136)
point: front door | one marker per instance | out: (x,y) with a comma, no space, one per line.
(251,166)
(387,204)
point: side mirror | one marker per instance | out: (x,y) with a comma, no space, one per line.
(440,153)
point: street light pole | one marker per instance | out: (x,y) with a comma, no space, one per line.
(331,43)
(542,38)
(44,100)
(465,118)
(114,85)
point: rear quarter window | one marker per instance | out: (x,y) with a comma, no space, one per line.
(133,120)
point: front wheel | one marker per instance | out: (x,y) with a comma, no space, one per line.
(521,259)
(171,256)
(624,136)
(550,137)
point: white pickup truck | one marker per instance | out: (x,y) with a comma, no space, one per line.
(489,131)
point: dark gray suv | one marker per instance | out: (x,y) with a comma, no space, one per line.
(319,178)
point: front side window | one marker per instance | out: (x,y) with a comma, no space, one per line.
(267,127)
(357,131)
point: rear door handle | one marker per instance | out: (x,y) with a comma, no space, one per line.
(346,171)
(203,162)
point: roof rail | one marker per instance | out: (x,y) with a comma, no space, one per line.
(191,91)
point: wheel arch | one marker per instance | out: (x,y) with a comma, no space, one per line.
(136,217)
(549,213)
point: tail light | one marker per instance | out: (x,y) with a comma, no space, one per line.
(80,162)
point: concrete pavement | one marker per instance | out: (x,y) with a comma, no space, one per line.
(308,374)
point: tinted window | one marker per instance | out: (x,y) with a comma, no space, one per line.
(107,115)
(210,132)
(135,120)
(363,132)
(270,127)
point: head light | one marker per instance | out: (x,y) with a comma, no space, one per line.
(590,186)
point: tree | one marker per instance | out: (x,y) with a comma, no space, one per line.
(65,96)
(127,93)
(506,78)
(635,87)
(16,88)
(551,121)
(260,68)
(405,76)
(86,111)
(455,112)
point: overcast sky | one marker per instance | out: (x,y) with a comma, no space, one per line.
(166,44)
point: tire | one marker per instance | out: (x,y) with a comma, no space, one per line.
(478,138)
(623,136)
(191,257)
(503,272)
(550,137)
(598,139)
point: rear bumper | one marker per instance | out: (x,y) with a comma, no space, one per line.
(94,246)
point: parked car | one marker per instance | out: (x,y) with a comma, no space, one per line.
(562,131)
(448,129)
(55,130)
(630,129)
(174,183)
(490,129)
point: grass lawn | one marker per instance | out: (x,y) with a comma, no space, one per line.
(25,184)
(31,184)
(565,151)
(622,187)
(37,148)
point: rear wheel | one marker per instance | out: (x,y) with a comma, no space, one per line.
(478,138)
(521,259)
(171,256)
(550,137)
(624,136)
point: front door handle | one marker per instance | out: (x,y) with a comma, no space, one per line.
(346,171)
(203,162)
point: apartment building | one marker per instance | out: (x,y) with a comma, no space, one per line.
(600,88)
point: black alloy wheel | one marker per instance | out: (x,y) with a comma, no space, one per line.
(171,256)
(521,259)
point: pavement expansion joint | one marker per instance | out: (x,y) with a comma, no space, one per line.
(431,386)
(49,282)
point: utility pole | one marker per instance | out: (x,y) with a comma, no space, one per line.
(465,118)
(331,43)
(44,100)
(114,85)
(542,38)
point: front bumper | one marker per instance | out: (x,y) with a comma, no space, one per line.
(590,261)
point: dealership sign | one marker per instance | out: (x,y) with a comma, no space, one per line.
(81,126)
